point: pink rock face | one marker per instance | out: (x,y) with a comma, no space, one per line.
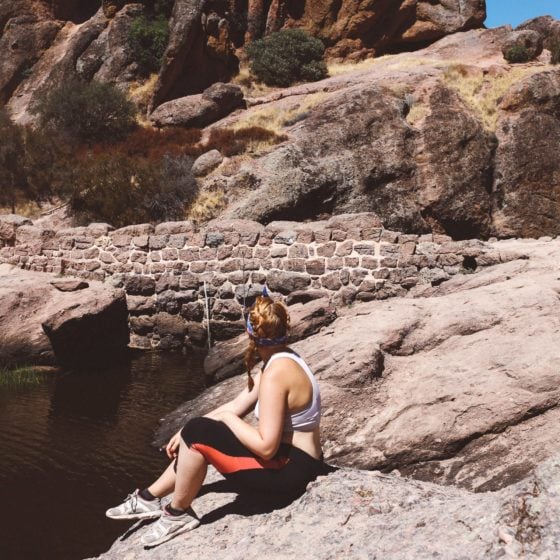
(458,385)
(61,323)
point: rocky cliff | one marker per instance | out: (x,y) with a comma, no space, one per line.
(51,41)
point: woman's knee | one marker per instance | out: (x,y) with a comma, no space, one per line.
(196,430)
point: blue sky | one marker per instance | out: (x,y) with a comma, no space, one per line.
(514,12)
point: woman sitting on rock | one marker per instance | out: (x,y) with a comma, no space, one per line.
(279,456)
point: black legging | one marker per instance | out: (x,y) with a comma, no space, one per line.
(287,473)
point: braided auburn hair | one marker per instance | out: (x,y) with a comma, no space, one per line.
(269,319)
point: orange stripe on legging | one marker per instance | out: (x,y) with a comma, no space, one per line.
(227,464)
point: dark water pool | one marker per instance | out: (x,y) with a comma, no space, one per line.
(74,444)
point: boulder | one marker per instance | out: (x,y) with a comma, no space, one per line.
(198,111)
(206,163)
(528,39)
(43,322)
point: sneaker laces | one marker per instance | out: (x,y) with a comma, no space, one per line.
(133,499)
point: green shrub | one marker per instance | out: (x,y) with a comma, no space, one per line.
(517,53)
(86,112)
(12,180)
(148,40)
(286,57)
(123,190)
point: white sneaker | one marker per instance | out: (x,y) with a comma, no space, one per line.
(169,526)
(135,507)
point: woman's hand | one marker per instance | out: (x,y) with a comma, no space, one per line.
(172,447)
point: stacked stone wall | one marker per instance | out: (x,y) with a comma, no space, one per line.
(175,273)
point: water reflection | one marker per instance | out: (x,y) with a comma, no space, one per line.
(77,443)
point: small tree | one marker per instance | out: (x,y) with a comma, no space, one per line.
(286,57)
(517,54)
(148,39)
(86,112)
(12,179)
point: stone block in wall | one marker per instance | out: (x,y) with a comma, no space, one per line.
(92,253)
(326,250)
(141,241)
(171,228)
(294,265)
(408,238)
(230,265)
(198,266)
(83,242)
(169,254)
(322,235)
(176,267)
(141,305)
(441,238)
(335,263)
(214,239)
(258,278)
(157,242)
(345,276)
(371,234)
(345,248)
(262,252)
(305,235)
(193,311)
(170,325)
(345,296)
(225,291)
(218,279)
(251,264)
(134,230)
(106,257)
(449,259)
(298,251)
(390,290)
(285,282)
(211,266)
(139,257)
(389,262)
(242,251)
(177,240)
(407,248)
(287,237)
(409,282)
(208,253)
(157,268)
(238,276)
(339,235)
(92,265)
(426,238)
(189,280)
(278,251)
(246,294)
(315,267)
(357,275)
(33,237)
(196,334)
(154,256)
(248,231)
(138,285)
(365,248)
(224,252)
(388,250)
(142,325)
(389,236)
(189,254)
(352,262)
(331,281)
(305,296)
(433,276)
(227,309)
(370,262)
(167,281)
(121,240)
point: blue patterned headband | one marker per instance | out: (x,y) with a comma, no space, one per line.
(264,341)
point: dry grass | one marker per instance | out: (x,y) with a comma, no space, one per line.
(207,206)
(483,92)
(140,93)
(276,120)
(28,208)
(417,112)
(250,87)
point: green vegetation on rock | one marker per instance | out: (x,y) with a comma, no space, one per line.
(86,112)
(517,54)
(286,57)
(148,39)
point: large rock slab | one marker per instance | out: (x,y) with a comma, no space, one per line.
(44,324)
(358,514)
(457,385)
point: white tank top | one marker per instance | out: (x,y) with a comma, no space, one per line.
(305,420)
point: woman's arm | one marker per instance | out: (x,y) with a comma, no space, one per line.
(240,405)
(264,440)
